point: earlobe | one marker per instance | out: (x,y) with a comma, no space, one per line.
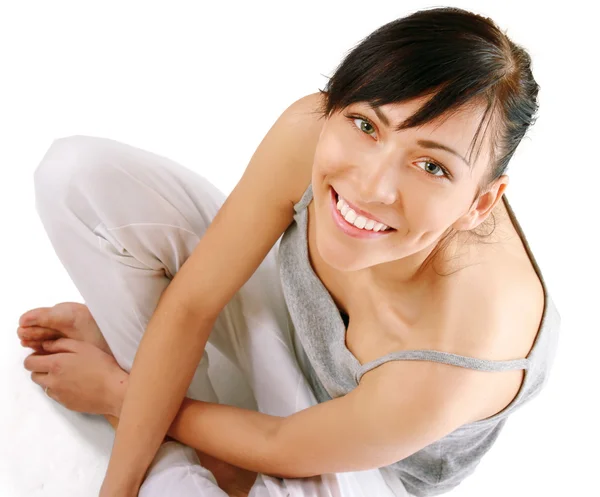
(477,214)
(487,203)
(466,222)
(473,220)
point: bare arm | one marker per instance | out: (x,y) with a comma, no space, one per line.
(177,332)
(374,425)
(162,371)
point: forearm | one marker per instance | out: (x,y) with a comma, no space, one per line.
(164,365)
(114,422)
(240,437)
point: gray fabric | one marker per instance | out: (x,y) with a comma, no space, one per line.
(333,371)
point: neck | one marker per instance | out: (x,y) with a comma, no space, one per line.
(406,274)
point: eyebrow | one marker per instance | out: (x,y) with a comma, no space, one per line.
(422,143)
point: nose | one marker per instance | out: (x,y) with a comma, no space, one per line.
(378,188)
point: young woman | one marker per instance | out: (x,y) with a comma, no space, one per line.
(386,336)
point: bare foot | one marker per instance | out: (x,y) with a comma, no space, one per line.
(237,482)
(74,320)
(67,319)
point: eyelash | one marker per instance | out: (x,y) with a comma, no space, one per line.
(352,117)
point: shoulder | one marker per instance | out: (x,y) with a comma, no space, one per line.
(304,121)
(491,311)
(311,104)
(305,117)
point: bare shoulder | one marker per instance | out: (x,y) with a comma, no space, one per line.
(304,122)
(492,311)
(308,106)
(493,307)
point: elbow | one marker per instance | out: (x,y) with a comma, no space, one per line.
(290,473)
(287,461)
(181,302)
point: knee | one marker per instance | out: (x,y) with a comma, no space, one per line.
(71,162)
(176,470)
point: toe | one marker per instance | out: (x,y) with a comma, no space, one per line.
(57,317)
(37,333)
(32,316)
(32,344)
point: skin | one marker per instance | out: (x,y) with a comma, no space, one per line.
(384,172)
(72,358)
(380,171)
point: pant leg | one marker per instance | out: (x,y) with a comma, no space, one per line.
(122,221)
(131,218)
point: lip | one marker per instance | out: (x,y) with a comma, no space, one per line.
(348,228)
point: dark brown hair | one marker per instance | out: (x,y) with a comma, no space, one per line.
(459,59)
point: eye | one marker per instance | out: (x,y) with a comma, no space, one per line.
(366,126)
(444,171)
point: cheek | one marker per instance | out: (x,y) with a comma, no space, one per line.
(332,152)
(326,168)
(424,215)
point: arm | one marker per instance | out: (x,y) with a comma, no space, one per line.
(177,332)
(162,371)
(215,429)
(403,406)
(385,419)
(397,409)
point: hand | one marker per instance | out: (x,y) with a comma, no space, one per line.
(78,375)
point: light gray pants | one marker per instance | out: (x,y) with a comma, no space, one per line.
(122,221)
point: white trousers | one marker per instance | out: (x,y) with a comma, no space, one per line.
(122,221)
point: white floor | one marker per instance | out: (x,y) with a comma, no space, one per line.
(53,451)
(49,451)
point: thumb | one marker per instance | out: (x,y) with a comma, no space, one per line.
(61,345)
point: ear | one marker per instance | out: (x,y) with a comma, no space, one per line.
(484,205)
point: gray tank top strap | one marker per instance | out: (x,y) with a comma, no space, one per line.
(305,200)
(332,370)
(446,358)
(425,355)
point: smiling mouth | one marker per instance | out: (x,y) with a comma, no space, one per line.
(358,211)
(351,229)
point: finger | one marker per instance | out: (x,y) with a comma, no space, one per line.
(37,333)
(38,363)
(62,345)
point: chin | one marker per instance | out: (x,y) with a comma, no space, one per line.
(337,255)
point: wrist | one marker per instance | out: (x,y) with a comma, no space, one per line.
(110,489)
(117,389)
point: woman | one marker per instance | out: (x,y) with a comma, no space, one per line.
(405,280)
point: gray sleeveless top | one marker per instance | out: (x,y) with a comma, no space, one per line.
(318,330)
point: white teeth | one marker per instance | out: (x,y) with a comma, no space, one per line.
(359,221)
(370,224)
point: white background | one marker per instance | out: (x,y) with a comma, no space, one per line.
(201,83)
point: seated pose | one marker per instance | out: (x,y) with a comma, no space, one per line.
(367,276)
